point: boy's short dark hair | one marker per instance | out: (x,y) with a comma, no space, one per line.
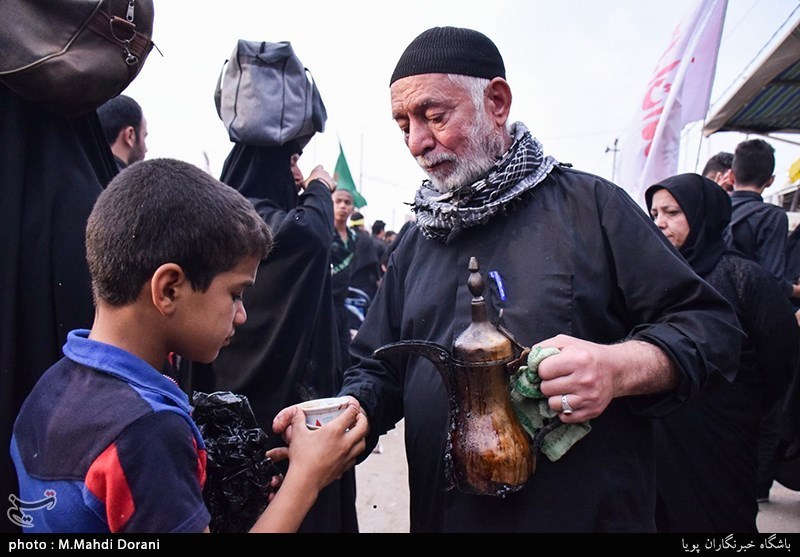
(377,227)
(117,114)
(720,162)
(753,162)
(168,211)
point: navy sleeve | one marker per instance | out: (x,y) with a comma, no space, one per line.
(158,456)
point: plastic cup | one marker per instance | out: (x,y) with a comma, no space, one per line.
(320,411)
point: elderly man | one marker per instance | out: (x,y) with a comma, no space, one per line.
(578,267)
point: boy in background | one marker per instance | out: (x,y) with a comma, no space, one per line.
(104,436)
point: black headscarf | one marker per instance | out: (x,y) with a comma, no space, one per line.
(708,210)
(263,173)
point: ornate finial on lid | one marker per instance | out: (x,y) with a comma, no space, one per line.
(475,282)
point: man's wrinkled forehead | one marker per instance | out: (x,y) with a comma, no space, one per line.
(416,95)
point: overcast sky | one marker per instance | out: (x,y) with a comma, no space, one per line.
(576,69)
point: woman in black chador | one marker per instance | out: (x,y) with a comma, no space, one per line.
(706,451)
(286,352)
(52,169)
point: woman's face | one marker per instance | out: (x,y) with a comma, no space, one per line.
(297,174)
(669,217)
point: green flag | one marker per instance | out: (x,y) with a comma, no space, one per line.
(344,180)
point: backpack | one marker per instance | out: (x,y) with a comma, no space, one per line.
(266,97)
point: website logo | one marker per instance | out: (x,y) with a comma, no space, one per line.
(16,513)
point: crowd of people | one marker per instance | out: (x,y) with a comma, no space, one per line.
(673,337)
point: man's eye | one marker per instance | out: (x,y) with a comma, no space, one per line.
(236,297)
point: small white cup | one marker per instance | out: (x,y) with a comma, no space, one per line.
(320,411)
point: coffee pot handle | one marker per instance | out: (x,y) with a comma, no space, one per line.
(437,354)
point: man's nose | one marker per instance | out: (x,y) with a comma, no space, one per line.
(420,139)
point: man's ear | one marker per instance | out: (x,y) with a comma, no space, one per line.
(498,97)
(129,136)
(769,182)
(166,287)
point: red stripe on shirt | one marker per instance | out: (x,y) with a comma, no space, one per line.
(106,481)
(201,464)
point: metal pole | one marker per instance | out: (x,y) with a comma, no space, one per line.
(361,165)
(614,150)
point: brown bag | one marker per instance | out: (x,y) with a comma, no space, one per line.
(73,55)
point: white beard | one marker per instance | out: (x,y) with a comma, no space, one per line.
(484,146)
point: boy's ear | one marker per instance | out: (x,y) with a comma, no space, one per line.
(165,287)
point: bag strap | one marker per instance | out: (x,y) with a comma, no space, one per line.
(748,208)
(121,32)
(745,235)
(319,113)
(218,91)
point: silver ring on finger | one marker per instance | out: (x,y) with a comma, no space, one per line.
(565,407)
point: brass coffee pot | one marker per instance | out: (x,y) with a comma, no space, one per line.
(488,451)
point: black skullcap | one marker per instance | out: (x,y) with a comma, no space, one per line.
(450,50)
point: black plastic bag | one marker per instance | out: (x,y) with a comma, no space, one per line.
(238,473)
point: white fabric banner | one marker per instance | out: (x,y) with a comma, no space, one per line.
(677,94)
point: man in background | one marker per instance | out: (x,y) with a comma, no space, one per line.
(379,239)
(357,221)
(718,169)
(125,128)
(758,229)
(365,270)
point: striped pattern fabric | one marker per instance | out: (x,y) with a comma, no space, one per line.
(776,108)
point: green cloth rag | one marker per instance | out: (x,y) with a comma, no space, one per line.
(533,412)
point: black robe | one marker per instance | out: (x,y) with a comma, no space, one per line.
(707,450)
(366,273)
(577,256)
(286,351)
(52,171)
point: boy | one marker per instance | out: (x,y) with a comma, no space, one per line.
(105,439)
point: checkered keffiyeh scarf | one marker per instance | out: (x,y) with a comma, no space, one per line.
(442,216)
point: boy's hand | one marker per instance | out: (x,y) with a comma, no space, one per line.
(323,455)
(276,455)
(282,424)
